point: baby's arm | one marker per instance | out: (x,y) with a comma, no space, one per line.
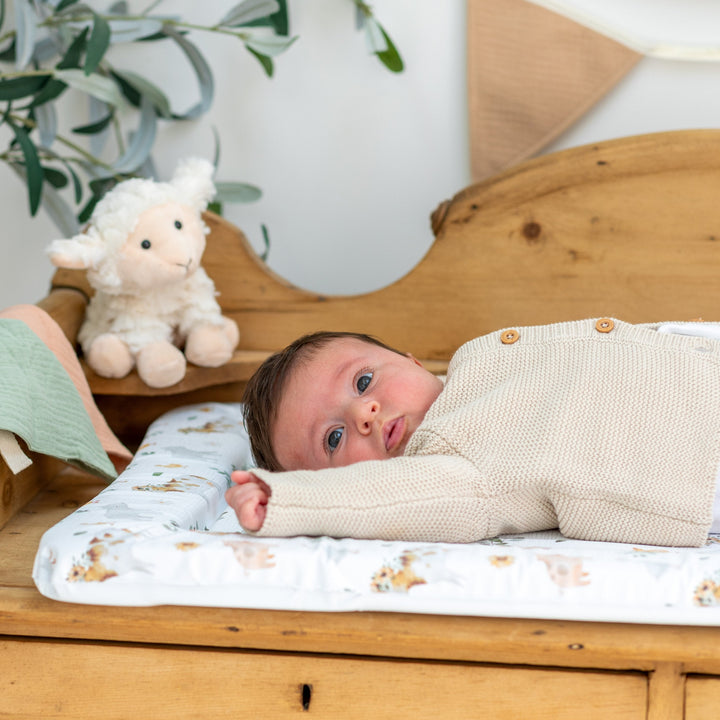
(248,498)
(421,498)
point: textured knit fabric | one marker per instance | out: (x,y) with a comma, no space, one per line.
(607,431)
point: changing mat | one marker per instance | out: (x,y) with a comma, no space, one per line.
(162,534)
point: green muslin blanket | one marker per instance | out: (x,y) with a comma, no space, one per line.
(40,403)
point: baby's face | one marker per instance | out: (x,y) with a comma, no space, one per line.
(351,401)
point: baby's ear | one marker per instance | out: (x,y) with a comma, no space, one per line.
(78,253)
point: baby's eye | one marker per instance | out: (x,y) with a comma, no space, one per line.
(363,381)
(333,439)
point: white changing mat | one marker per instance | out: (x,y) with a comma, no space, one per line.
(162,534)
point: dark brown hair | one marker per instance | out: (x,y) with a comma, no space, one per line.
(264,389)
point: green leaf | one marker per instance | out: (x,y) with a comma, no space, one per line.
(20,87)
(56,178)
(236,192)
(8,54)
(144,87)
(266,241)
(95,85)
(63,4)
(45,51)
(77,185)
(202,72)
(98,188)
(86,212)
(46,119)
(269,44)
(128,91)
(52,90)
(102,185)
(123,30)
(264,60)
(74,53)
(280,19)
(247,11)
(390,58)
(95,127)
(32,165)
(25,32)
(216,154)
(97,110)
(55,206)
(142,140)
(98,44)
(277,21)
(360,17)
(374,36)
(2,12)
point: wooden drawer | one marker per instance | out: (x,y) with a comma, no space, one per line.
(702,697)
(88,680)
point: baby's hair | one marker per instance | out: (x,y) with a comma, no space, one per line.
(265,388)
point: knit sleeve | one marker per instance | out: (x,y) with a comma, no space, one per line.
(429,498)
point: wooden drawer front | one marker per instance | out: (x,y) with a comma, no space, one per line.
(48,679)
(702,697)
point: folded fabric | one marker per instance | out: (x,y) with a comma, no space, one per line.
(40,404)
(52,335)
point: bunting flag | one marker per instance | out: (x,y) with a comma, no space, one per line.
(531,74)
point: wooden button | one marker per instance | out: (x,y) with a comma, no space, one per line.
(604,325)
(508,337)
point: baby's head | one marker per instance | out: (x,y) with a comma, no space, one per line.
(334,398)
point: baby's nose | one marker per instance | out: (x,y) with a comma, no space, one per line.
(367,413)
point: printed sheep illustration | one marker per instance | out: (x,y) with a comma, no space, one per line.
(142,252)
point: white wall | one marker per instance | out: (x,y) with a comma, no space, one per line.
(656,95)
(351,158)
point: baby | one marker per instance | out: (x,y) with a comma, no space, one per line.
(605,430)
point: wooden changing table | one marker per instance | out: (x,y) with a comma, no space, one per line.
(627,228)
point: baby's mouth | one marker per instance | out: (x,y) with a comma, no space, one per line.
(393,433)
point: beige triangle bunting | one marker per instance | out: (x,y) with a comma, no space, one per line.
(531,74)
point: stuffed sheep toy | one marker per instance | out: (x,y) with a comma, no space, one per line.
(142,252)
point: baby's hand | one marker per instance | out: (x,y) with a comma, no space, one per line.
(248,498)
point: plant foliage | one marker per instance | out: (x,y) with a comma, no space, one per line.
(58,46)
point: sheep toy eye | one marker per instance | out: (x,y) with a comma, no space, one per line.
(145,244)
(178,225)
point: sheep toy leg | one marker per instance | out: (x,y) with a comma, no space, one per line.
(109,356)
(212,345)
(160,364)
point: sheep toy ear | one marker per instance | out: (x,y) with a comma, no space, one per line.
(78,253)
(193,182)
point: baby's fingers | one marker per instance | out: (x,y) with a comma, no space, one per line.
(242,476)
(252,512)
(249,501)
(245,477)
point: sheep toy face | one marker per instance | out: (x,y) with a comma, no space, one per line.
(164,248)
